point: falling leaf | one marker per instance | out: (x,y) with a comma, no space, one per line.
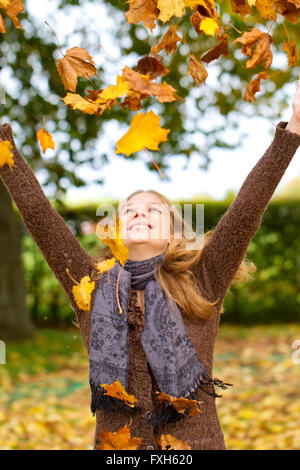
(111,235)
(2,25)
(169,442)
(217,50)
(197,70)
(12,9)
(291,49)
(209,26)
(119,440)
(6,154)
(142,10)
(76,63)
(132,102)
(241,6)
(4,3)
(168,41)
(262,48)
(170,8)
(152,66)
(117,390)
(289,9)
(45,140)
(266,9)
(206,18)
(254,86)
(82,291)
(105,265)
(181,404)
(144,132)
(112,92)
(87,106)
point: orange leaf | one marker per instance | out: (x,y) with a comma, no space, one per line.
(168,41)
(170,8)
(117,390)
(266,9)
(2,25)
(262,48)
(119,440)
(254,86)
(181,404)
(142,10)
(291,49)
(241,6)
(82,291)
(76,63)
(6,154)
(144,132)
(152,66)
(169,442)
(105,265)
(290,9)
(82,104)
(197,70)
(45,140)
(217,50)
(12,9)
(111,235)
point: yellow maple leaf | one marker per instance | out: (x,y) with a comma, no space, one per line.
(119,440)
(144,132)
(4,3)
(170,8)
(6,154)
(169,442)
(251,2)
(111,235)
(78,102)
(112,92)
(105,265)
(117,390)
(82,291)
(209,26)
(45,140)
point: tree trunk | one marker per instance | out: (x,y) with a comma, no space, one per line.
(15,322)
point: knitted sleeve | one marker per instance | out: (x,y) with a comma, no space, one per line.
(49,230)
(228,244)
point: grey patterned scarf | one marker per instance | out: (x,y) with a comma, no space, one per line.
(168,348)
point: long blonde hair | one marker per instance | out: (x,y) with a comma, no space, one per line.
(175,274)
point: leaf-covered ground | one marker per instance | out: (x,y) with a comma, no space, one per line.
(44,400)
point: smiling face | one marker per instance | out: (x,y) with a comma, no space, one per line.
(145,226)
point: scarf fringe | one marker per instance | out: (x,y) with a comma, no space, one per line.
(110,404)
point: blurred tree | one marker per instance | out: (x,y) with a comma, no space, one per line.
(31,89)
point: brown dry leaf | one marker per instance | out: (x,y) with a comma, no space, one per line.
(217,50)
(152,66)
(197,70)
(82,291)
(142,10)
(132,102)
(206,18)
(181,404)
(141,84)
(144,132)
(266,9)
(119,440)
(169,442)
(6,154)
(289,9)
(241,6)
(76,63)
(111,235)
(291,49)
(117,390)
(45,140)
(12,9)
(254,86)
(262,48)
(168,41)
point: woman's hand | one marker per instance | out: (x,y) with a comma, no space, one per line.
(294,123)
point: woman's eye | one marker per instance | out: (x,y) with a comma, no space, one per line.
(155,209)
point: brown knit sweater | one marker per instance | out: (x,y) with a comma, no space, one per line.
(216,269)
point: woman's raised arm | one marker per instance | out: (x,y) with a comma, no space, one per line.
(56,241)
(228,244)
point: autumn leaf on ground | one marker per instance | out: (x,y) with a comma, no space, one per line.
(181,404)
(117,390)
(168,41)
(142,10)
(105,265)
(170,8)
(254,86)
(76,63)
(6,154)
(12,9)
(241,6)
(82,291)
(82,104)
(111,235)
(291,49)
(169,442)
(266,9)
(119,440)
(45,140)
(197,70)
(262,48)
(217,50)
(152,66)
(144,132)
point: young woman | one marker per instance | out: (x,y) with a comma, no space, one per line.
(171,297)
